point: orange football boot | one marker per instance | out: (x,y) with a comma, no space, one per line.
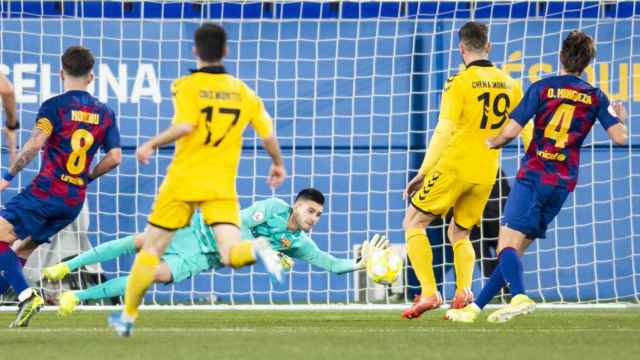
(422,304)
(462,298)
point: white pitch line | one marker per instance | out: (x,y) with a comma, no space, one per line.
(325,307)
(296,330)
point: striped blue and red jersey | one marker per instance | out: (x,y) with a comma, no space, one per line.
(565,108)
(78,125)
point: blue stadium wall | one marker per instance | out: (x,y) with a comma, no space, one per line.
(336,131)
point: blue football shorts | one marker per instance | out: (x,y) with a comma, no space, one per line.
(36,217)
(532,206)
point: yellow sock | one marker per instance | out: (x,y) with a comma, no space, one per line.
(141,277)
(463,260)
(421,256)
(242,254)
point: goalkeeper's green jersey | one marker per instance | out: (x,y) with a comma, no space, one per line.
(268,218)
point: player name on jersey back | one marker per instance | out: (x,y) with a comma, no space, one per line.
(85,117)
(485,84)
(569,94)
(220,95)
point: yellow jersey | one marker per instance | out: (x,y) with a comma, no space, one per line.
(475,106)
(219,106)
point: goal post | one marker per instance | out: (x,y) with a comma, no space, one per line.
(354,90)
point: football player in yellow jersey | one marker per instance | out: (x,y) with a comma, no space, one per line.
(458,170)
(212,109)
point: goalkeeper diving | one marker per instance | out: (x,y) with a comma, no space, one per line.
(193,249)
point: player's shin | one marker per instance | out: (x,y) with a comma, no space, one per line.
(4,284)
(246,252)
(491,288)
(463,259)
(11,269)
(421,256)
(242,254)
(511,266)
(233,251)
(112,288)
(141,277)
(107,251)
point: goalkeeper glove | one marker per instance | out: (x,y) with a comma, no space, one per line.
(377,243)
(286,261)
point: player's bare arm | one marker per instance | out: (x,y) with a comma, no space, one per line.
(29,151)
(508,133)
(619,133)
(277,172)
(11,123)
(26,155)
(144,151)
(413,186)
(107,163)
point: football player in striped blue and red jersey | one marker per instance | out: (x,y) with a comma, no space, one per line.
(564,109)
(71,127)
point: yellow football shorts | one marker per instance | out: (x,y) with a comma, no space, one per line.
(172,214)
(441,191)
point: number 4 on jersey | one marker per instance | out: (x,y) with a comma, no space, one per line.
(558,127)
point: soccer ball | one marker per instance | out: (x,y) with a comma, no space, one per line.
(383,267)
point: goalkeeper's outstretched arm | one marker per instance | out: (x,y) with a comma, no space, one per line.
(308,251)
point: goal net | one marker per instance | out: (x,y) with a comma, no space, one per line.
(354,89)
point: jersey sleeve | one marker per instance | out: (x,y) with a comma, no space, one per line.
(517,93)
(308,251)
(606,114)
(450,112)
(527,107)
(437,145)
(47,120)
(184,107)
(526,135)
(452,101)
(112,136)
(260,119)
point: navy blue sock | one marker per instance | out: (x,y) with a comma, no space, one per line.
(4,285)
(11,268)
(511,267)
(491,288)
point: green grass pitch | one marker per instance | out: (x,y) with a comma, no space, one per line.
(265,335)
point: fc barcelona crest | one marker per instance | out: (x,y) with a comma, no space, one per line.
(285,243)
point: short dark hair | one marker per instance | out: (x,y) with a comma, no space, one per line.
(577,52)
(210,41)
(311,194)
(474,35)
(77,61)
